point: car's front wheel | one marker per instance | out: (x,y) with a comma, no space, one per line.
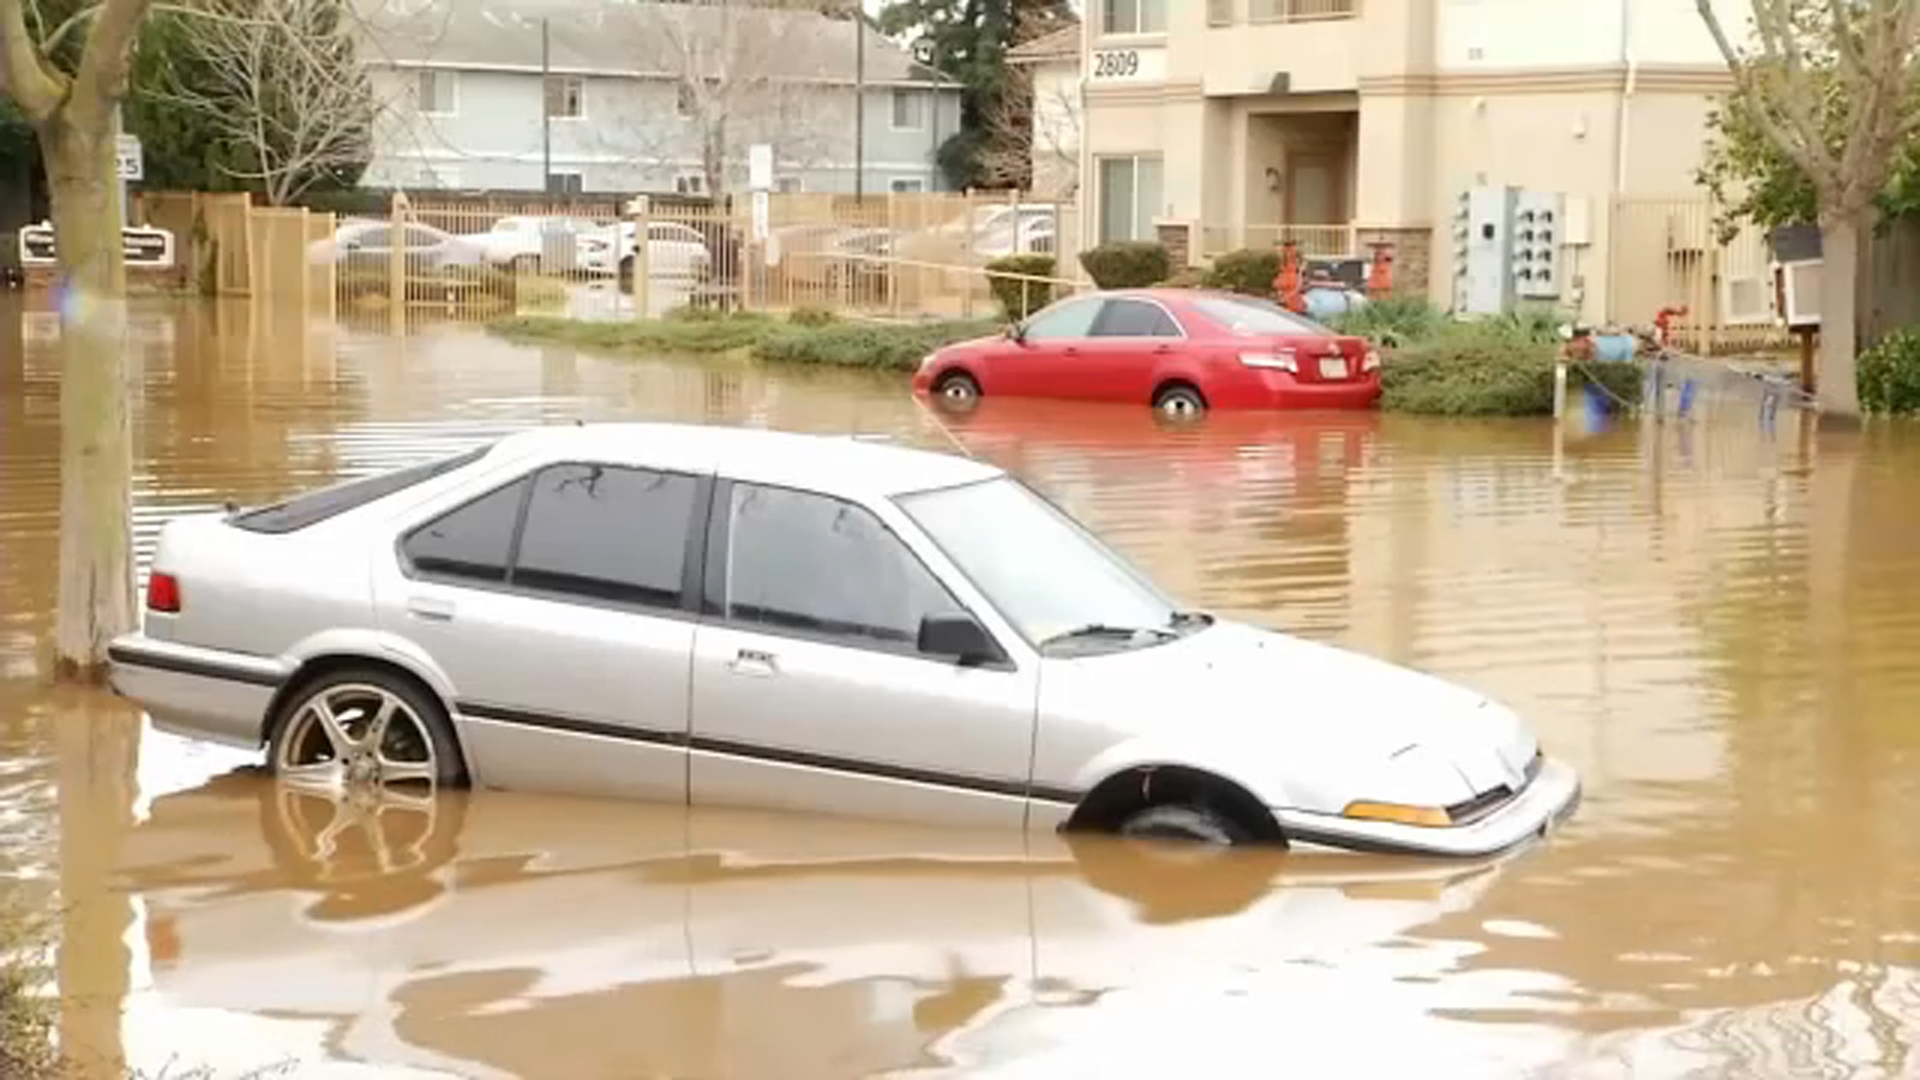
(957,391)
(364,729)
(1191,822)
(1180,402)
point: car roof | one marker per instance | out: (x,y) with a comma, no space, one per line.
(838,464)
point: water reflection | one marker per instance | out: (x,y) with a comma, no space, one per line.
(1720,627)
(716,943)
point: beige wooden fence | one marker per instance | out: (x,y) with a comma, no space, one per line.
(1666,253)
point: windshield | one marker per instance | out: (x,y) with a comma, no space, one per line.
(1248,316)
(1041,570)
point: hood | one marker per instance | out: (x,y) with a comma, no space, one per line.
(1274,703)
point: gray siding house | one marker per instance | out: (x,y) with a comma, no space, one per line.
(643,97)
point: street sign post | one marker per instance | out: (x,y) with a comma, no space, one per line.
(132,161)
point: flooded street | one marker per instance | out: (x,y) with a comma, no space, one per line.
(1719,628)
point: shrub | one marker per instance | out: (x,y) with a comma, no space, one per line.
(1466,375)
(1888,375)
(1188,277)
(691,333)
(26,1018)
(812,316)
(1392,321)
(1018,296)
(1249,271)
(880,347)
(1131,264)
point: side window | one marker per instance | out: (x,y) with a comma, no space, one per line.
(472,541)
(1135,319)
(800,561)
(607,533)
(1073,319)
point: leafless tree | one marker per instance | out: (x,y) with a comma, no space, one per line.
(1033,131)
(72,106)
(741,72)
(1835,84)
(281,79)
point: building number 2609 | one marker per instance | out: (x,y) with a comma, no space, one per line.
(1116,64)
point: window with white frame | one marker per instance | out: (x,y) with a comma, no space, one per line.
(1130,193)
(566,97)
(903,185)
(438,92)
(1134,16)
(909,110)
(565,183)
(690,183)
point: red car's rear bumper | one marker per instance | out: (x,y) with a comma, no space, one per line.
(1284,392)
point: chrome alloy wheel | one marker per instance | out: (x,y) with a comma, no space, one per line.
(356,740)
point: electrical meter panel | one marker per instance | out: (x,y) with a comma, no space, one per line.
(1539,231)
(1482,233)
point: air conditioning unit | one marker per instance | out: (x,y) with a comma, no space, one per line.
(1800,293)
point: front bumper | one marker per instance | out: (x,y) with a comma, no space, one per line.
(1550,799)
(200,693)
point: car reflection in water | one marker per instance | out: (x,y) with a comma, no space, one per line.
(508,935)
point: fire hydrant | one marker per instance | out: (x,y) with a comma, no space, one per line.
(1286,283)
(1663,324)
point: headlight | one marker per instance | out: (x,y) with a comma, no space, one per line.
(927,361)
(1274,361)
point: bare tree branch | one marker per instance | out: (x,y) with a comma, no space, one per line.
(286,85)
(34,86)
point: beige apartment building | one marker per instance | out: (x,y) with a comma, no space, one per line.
(1220,124)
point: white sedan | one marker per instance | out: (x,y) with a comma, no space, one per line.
(728,616)
(673,250)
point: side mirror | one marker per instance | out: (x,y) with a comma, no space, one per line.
(959,637)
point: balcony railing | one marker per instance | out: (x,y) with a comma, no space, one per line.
(1313,241)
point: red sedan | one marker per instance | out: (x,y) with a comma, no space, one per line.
(1182,351)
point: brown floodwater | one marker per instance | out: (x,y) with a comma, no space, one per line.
(1719,627)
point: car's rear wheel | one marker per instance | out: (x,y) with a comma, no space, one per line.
(626,274)
(526,265)
(1180,402)
(957,390)
(1191,822)
(365,732)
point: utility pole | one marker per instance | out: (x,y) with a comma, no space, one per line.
(860,103)
(546,111)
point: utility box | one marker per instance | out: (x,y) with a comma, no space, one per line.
(1539,230)
(1483,228)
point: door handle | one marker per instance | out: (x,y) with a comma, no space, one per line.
(1162,349)
(427,607)
(754,664)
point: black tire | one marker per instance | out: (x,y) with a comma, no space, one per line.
(626,274)
(526,265)
(957,391)
(1191,822)
(1180,402)
(449,763)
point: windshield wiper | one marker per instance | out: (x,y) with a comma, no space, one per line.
(1104,630)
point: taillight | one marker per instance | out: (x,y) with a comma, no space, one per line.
(1372,362)
(163,593)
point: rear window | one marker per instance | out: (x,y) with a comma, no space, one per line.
(317,506)
(1252,316)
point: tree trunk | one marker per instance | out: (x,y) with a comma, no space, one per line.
(96,543)
(1839,393)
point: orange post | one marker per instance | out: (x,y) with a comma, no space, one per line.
(1286,284)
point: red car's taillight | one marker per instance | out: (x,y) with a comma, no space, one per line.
(163,593)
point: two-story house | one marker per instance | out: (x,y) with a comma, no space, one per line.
(610,96)
(1218,124)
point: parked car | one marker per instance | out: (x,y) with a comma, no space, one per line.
(1183,351)
(531,242)
(369,243)
(674,250)
(737,617)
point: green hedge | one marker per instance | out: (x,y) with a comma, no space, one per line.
(1888,375)
(1018,296)
(800,339)
(1468,374)
(1249,271)
(1132,264)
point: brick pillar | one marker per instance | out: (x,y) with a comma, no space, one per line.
(1412,256)
(1177,238)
